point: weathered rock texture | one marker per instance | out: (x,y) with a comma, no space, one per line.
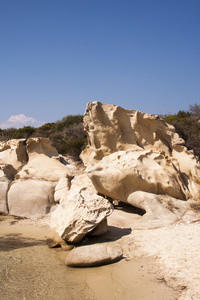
(43,163)
(13,152)
(129,151)
(79,213)
(93,255)
(29,172)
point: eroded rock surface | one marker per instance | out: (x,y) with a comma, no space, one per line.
(79,213)
(29,172)
(131,152)
(43,163)
(13,152)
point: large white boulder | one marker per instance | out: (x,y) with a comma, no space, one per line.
(111,128)
(40,145)
(43,163)
(139,159)
(79,214)
(7,173)
(130,151)
(13,152)
(124,172)
(31,198)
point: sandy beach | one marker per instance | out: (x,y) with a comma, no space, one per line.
(31,270)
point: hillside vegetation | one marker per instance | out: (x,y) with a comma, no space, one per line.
(69,138)
(67,135)
(187,125)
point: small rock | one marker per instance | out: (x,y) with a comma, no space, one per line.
(92,255)
(54,240)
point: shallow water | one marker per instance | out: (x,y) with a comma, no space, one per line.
(31,270)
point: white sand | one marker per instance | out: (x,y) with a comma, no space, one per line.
(177,249)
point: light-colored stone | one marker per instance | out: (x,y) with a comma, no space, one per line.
(3,197)
(111,128)
(31,198)
(136,158)
(101,228)
(62,188)
(79,214)
(82,180)
(7,173)
(93,255)
(157,215)
(44,162)
(124,172)
(40,145)
(43,168)
(189,168)
(13,152)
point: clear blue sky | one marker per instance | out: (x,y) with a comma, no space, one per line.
(55,56)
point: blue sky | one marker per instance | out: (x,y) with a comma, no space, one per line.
(55,56)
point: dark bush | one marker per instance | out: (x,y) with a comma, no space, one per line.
(6,134)
(66,135)
(25,132)
(187,125)
(45,130)
(68,121)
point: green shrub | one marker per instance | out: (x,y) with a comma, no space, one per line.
(187,125)
(68,121)
(25,132)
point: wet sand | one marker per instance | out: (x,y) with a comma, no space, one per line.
(31,270)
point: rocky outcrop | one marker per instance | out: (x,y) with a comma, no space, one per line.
(130,152)
(93,255)
(29,172)
(111,129)
(44,162)
(125,172)
(13,152)
(79,213)
(131,157)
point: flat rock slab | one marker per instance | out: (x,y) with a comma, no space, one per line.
(92,255)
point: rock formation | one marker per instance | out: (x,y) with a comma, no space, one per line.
(29,172)
(13,152)
(79,213)
(133,157)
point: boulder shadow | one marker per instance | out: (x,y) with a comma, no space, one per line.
(14,241)
(114,233)
(130,209)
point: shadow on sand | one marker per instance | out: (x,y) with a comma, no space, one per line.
(114,233)
(15,241)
